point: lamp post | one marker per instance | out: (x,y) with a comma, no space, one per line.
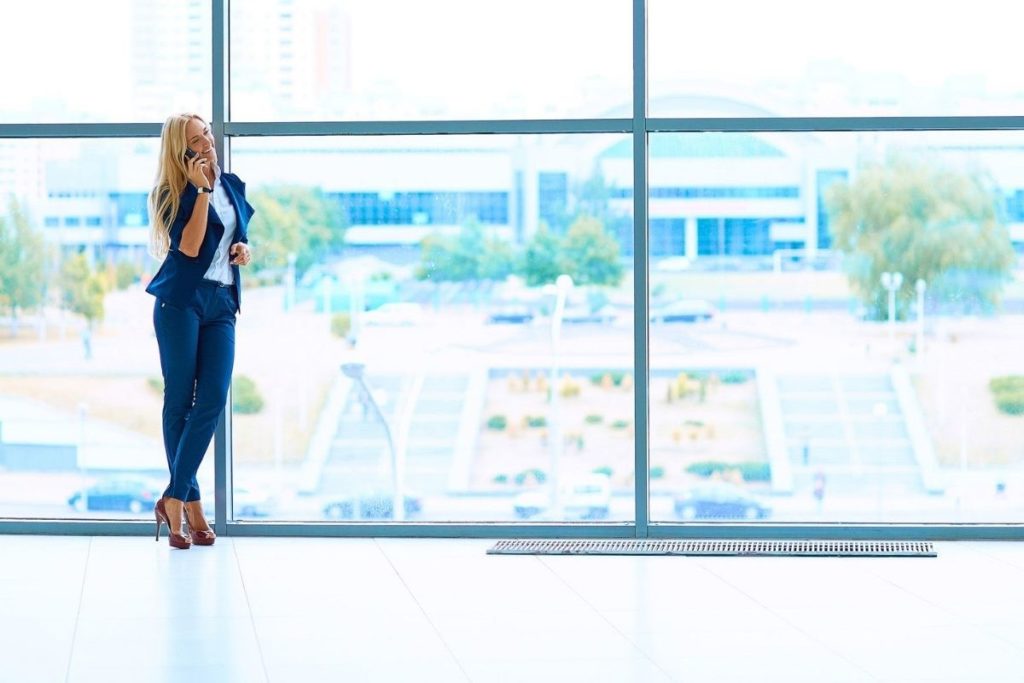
(562,287)
(892,282)
(289,282)
(920,286)
(356,371)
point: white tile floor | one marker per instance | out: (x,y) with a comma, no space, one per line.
(358,610)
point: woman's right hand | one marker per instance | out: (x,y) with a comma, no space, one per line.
(197,172)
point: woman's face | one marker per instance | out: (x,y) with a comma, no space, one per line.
(199,139)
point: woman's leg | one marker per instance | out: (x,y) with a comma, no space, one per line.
(177,336)
(215,359)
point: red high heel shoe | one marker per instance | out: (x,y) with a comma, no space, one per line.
(180,541)
(199,536)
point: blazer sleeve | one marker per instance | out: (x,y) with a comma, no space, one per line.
(186,205)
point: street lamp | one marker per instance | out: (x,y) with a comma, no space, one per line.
(920,286)
(289,282)
(562,287)
(356,371)
(892,282)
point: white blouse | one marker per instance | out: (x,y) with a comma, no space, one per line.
(220,268)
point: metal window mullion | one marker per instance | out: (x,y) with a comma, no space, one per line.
(424,127)
(79,130)
(641,350)
(222,461)
(818,124)
(824,531)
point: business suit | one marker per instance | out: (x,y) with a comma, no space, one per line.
(194,320)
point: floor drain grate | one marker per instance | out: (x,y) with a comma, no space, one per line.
(725,547)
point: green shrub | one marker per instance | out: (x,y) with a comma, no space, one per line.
(497,422)
(246,397)
(1008,392)
(750,471)
(500,479)
(593,419)
(615,375)
(536,421)
(657,472)
(341,324)
(620,424)
(537,474)
(604,469)
(756,471)
(705,468)
(1010,402)
(156,384)
(734,377)
(999,385)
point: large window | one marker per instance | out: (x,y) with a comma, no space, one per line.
(487,389)
(122,61)
(447,59)
(80,380)
(460,210)
(788,385)
(745,58)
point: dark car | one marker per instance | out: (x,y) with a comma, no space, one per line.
(513,315)
(580,315)
(125,495)
(720,500)
(371,506)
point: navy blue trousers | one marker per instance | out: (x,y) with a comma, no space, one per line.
(197,355)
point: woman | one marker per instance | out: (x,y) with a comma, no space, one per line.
(199,217)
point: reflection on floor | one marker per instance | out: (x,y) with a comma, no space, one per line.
(252,610)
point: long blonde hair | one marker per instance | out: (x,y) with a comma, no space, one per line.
(171,178)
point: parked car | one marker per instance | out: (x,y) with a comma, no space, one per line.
(585,498)
(720,500)
(512,314)
(371,505)
(251,503)
(125,494)
(398,313)
(575,315)
(683,311)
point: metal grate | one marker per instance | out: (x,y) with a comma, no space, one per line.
(781,548)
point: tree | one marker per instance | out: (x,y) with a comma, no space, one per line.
(470,256)
(926,222)
(83,289)
(294,220)
(590,254)
(541,258)
(22,264)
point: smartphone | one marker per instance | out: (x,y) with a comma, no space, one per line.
(190,154)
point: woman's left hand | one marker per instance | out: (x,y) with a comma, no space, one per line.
(240,254)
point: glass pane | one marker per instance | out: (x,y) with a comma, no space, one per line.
(803,58)
(400,331)
(80,379)
(835,327)
(402,59)
(124,61)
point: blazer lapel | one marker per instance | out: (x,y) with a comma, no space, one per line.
(236,201)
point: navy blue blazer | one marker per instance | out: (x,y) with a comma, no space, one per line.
(180,274)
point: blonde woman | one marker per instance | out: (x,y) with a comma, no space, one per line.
(199,217)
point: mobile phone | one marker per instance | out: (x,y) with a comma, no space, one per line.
(190,154)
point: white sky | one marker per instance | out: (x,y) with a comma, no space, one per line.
(544,50)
